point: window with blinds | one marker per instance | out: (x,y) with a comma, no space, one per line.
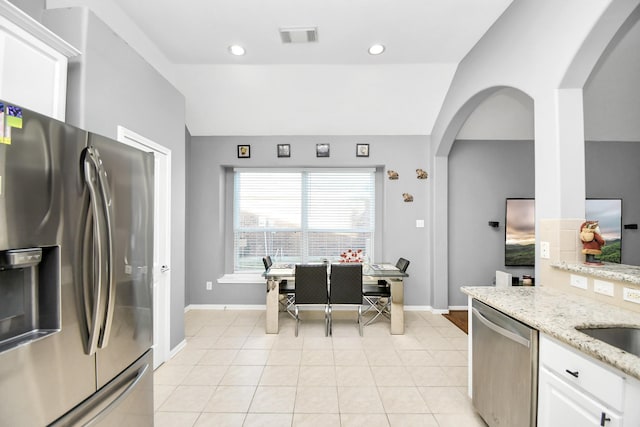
(302,216)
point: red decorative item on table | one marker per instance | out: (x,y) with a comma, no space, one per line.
(351,256)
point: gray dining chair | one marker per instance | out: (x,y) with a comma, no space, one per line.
(378,296)
(311,289)
(345,288)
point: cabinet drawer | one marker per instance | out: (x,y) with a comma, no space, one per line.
(583,372)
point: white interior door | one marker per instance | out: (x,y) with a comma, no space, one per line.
(162,242)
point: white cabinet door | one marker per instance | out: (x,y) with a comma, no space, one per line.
(560,404)
(33,64)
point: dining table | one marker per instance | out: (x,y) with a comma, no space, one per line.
(371,273)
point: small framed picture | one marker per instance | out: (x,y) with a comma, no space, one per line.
(362,150)
(284,150)
(322,150)
(244,151)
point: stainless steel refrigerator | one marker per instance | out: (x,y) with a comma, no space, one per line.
(76,246)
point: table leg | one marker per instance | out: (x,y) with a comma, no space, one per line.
(273,286)
(397,307)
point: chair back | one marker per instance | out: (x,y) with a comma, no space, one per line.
(267,262)
(311,284)
(345,286)
(402,264)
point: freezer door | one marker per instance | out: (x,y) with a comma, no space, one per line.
(39,208)
(125,401)
(127,329)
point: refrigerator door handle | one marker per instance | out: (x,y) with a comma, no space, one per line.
(93,217)
(122,396)
(108,214)
(95,172)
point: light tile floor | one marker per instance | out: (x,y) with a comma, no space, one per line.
(233,374)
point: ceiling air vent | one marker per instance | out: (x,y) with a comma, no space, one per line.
(299,35)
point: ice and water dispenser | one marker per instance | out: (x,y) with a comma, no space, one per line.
(29,295)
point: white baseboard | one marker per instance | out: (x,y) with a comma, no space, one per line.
(177,349)
(224,307)
(458,307)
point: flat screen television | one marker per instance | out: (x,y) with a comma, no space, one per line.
(608,213)
(520,237)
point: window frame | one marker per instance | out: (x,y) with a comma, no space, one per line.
(375,231)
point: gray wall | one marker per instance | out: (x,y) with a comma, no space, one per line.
(210,197)
(111,85)
(482,174)
(33,8)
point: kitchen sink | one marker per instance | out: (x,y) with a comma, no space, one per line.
(624,338)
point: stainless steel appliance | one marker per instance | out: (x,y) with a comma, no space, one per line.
(76,242)
(505,368)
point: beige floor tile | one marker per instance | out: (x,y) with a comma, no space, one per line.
(285,357)
(229,342)
(259,342)
(273,399)
(188,356)
(187,399)
(205,375)
(268,420)
(209,419)
(457,420)
(317,357)
(242,375)
(171,374)
(347,343)
(354,376)
(383,357)
(252,378)
(417,358)
(322,400)
(392,376)
(316,420)
(280,375)
(402,400)
(350,357)
(218,357)
(364,420)
(426,376)
(446,400)
(413,420)
(317,343)
(161,393)
(361,400)
(175,419)
(251,357)
(449,357)
(230,399)
(317,376)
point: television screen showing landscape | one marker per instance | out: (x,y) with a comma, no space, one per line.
(608,213)
(520,239)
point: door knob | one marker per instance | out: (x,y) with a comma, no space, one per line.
(164,269)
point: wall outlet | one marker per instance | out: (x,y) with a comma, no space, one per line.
(419,223)
(545,250)
(578,281)
(602,287)
(631,295)
(209,286)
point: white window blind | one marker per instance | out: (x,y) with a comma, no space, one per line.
(302,216)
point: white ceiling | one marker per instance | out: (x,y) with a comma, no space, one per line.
(414,31)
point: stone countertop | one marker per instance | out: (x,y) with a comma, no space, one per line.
(557,314)
(611,271)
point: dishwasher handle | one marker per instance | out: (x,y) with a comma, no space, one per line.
(504,332)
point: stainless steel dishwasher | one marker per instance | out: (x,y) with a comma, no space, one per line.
(505,368)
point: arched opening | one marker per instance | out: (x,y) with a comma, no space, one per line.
(491,160)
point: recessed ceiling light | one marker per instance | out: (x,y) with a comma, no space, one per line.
(376,49)
(236,50)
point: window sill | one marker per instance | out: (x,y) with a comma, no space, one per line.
(242,278)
